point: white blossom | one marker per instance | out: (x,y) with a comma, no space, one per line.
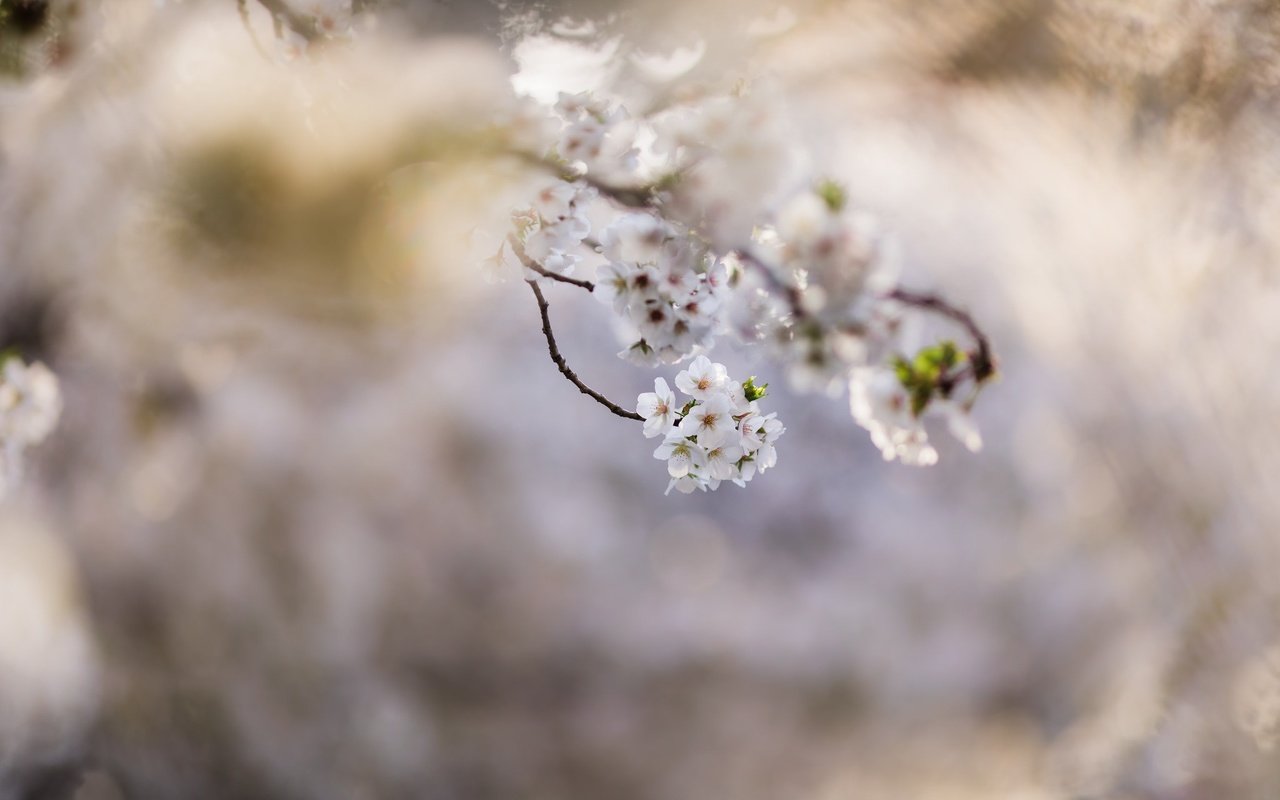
(703,379)
(682,454)
(30,402)
(711,421)
(658,409)
(880,403)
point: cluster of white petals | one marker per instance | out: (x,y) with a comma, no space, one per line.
(839,261)
(596,137)
(552,229)
(882,405)
(719,434)
(30,405)
(660,280)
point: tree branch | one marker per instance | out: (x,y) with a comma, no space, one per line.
(628,196)
(984,364)
(790,292)
(534,266)
(543,309)
(300,24)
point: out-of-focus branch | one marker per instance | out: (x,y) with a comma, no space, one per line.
(642,196)
(301,24)
(982,361)
(790,292)
(243,7)
(554,349)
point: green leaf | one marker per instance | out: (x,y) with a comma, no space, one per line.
(752,391)
(832,194)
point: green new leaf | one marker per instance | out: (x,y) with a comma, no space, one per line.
(832,194)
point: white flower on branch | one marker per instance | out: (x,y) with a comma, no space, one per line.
(703,379)
(658,409)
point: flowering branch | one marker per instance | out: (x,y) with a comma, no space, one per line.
(554,349)
(821,296)
(982,362)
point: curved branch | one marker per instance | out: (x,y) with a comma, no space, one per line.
(543,309)
(984,363)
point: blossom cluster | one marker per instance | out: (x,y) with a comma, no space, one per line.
(669,288)
(30,405)
(718,435)
(885,408)
(595,136)
(837,260)
(551,230)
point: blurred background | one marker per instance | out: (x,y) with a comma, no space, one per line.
(322,521)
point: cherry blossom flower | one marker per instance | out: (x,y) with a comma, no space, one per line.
(681,454)
(703,379)
(658,409)
(711,421)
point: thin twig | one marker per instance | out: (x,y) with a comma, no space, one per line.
(534,266)
(543,309)
(984,365)
(555,276)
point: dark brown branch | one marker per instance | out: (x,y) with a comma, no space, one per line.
(984,365)
(544,309)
